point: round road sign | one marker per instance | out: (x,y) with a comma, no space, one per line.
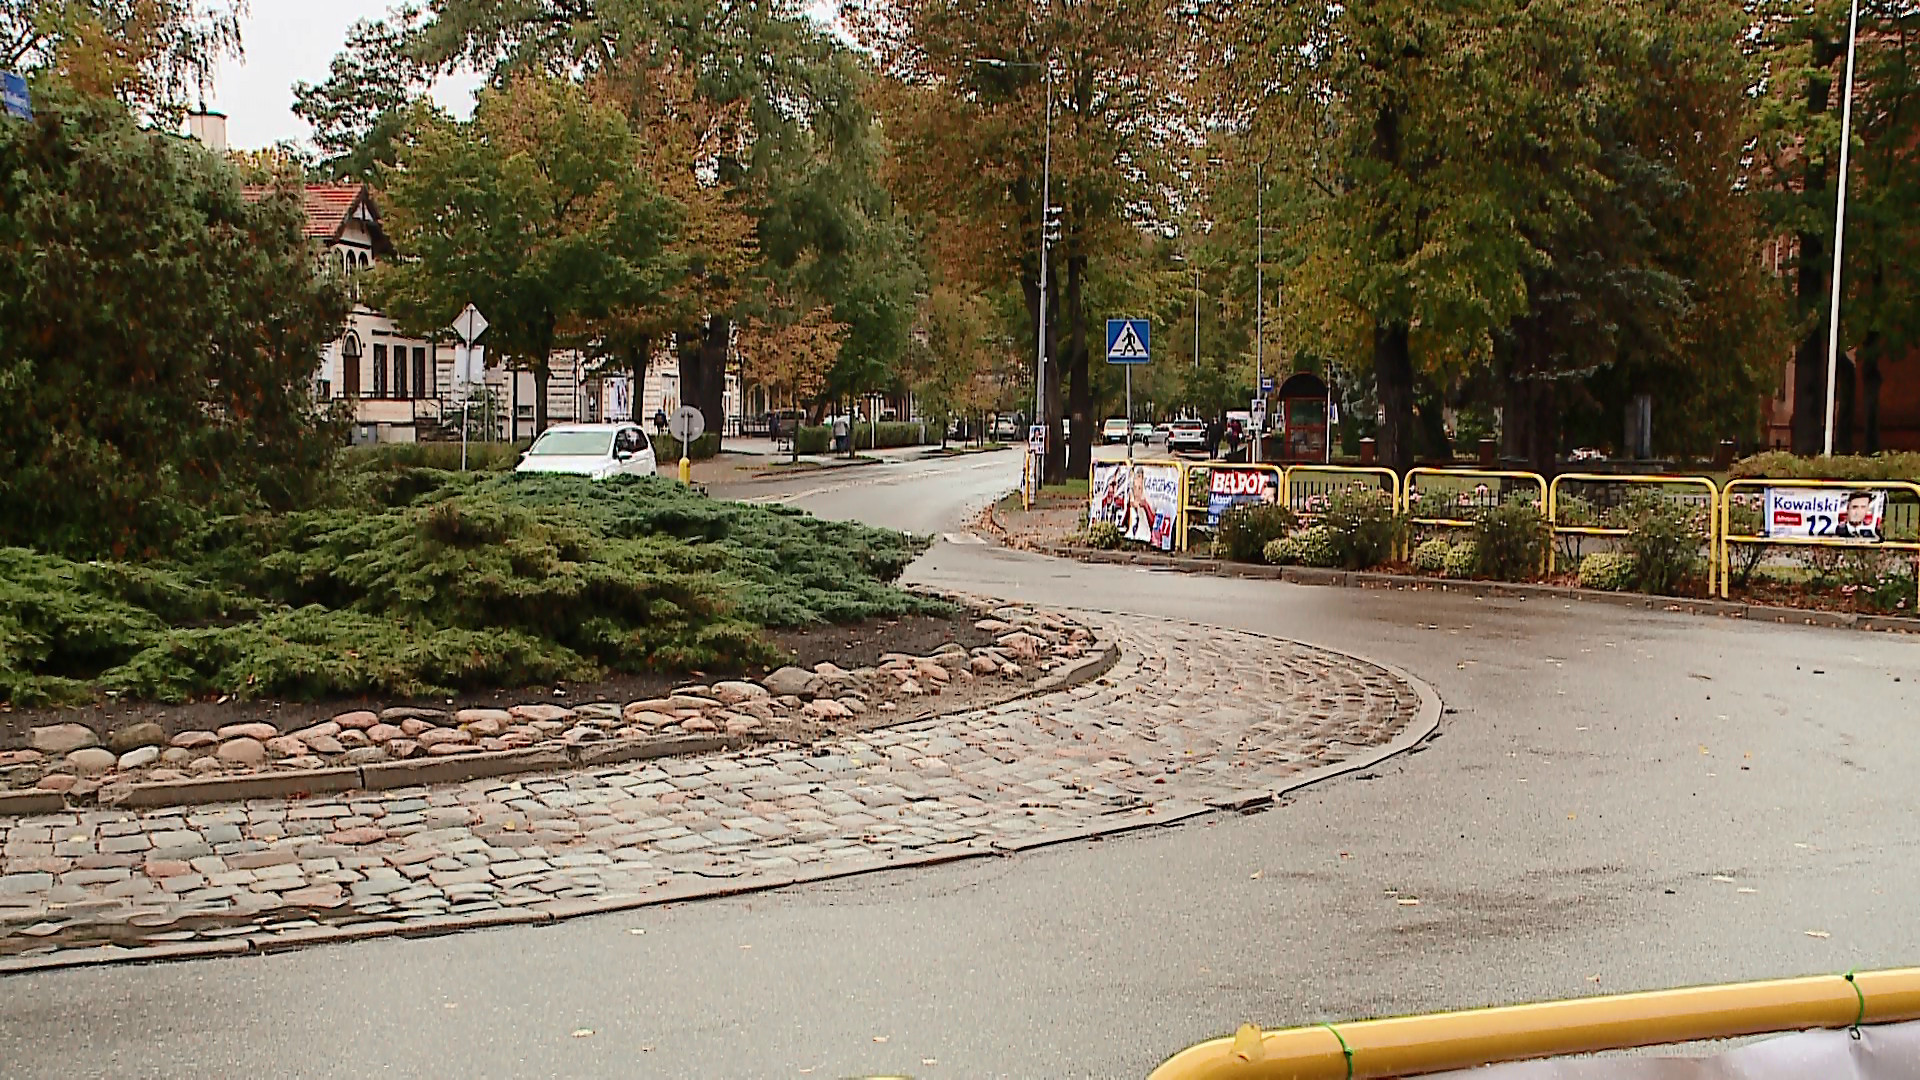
(687,424)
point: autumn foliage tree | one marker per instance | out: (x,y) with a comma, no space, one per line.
(158,336)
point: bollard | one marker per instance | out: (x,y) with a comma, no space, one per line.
(1488,450)
(1368,451)
(686,469)
(1723,457)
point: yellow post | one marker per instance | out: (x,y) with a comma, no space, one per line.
(686,470)
(1413,1045)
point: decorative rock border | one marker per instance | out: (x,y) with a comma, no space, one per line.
(141,767)
(1191,720)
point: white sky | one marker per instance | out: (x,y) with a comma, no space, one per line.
(289,41)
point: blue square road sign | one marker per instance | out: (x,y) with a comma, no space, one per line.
(1129,341)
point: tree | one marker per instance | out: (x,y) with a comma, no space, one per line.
(536,211)
(154,55)
(789,118)
(968,121)
(361,107)
(792,350)
(159,335)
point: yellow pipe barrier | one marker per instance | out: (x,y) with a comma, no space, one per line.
(1416,1045)
(1714,554)
(1727,539)
(1409,495)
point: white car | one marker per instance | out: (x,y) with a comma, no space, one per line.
(596,450)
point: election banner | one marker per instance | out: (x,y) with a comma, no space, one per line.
(1229,486)
(1825,514)
(1142,499)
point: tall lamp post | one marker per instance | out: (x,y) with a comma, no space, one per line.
(1840,226)
(1259,294)
(1046,232)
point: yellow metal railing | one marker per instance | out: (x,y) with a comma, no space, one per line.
(1485,494)
(1416,1045)
(1728,539)
(1355,473)
(1713,512)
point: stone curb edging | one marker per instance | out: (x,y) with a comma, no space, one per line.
(1425,722)
(1509,590)
(456,769)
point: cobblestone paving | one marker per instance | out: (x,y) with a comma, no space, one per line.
(1189,714)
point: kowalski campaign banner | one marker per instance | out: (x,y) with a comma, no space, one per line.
(1142,499)
(1229,486)
(1826,514)
(1882,1052)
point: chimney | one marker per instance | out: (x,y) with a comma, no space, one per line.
(210,128)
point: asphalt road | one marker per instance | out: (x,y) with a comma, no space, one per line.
(1599,771)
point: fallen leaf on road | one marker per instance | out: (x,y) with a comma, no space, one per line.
(1723,878)
(1593,978)
(636,931)
(1744,889)
(646,1048)
(929,1061)
(1703,750)
(1818,934)
(583,1033)
(1407,901)
(449,1005)
(1798,844)
(1255,876)
(746,946)
(880,1038)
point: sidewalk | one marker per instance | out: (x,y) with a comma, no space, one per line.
(744,459)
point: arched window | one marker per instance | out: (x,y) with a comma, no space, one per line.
(350,366)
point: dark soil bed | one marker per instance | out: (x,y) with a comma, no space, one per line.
(850,646)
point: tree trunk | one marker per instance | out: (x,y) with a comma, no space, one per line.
(1870,401)
(1843,405)
(542,373)
(638,355)
(1079,382)
(1810,359)
(1430,406)
(703,371)
(1393,379)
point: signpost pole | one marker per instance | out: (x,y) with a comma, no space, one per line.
(1129,412)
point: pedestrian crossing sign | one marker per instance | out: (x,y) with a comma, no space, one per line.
(1128,341)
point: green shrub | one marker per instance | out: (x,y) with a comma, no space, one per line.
(1365,528)
(1609,570)
(1246,530)
(445,456)
(891,434)
(468,581)
(1431,556)
(1664,538)
(1284,551)
(1461,560)
(1745,518)
(1779,465)
(666,448)
(1510,541)
(1104,536)
(1321,546)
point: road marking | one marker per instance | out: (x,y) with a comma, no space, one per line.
(962,538)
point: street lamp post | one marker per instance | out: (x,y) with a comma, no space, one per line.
(1259,294)
(1840,227)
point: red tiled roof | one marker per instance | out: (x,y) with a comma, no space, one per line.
(327,206)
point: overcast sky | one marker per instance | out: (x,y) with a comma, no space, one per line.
(289,41)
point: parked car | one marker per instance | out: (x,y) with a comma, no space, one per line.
(596,450)
(1188,437)
(1005,430)
(1143,434)
(1116,430)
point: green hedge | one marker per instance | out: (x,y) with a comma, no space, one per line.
(1779,465)
(666,448)
(819,440)
(481,456)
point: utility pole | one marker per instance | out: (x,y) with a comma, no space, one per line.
(1259,293)
(1046,241)
(1840,227)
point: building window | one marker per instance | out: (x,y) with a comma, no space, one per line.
(420,387)
(379,371)
(323,390)
(400,371)
(350,367)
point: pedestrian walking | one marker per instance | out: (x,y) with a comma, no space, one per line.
(842,434)
(659,421)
